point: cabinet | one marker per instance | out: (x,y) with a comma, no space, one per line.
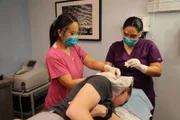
(6,105)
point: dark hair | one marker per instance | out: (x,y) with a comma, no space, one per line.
(130,90)
(135,22)
(60,23)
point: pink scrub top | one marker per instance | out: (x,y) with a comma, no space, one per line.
(59,64)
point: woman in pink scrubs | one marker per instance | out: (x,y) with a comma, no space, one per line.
(65,59)
(136,57)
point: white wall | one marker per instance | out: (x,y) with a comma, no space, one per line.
(42,14)
(114,13)
(15,41)
(166,35)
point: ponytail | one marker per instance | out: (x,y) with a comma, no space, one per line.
(53,35)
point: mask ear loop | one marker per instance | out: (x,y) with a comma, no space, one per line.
(63,33)
(64,30)
(140,33)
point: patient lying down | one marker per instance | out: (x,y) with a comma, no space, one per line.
(92,99)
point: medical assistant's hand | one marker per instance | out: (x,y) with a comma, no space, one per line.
(98,111)
(135,63)
(108,75)
(113,70)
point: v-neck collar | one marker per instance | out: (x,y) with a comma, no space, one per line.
(134,49)
(55,46)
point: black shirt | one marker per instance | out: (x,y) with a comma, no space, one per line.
(102,86)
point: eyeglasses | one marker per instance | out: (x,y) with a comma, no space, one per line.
(73,33)
(130,35)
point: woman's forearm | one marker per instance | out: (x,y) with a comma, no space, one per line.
(153,71)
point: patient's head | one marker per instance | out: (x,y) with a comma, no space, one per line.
(121,87)
(118,84)
(122,98)
(108,75)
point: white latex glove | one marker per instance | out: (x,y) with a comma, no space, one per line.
(135,63)
(108,75)
(113,70)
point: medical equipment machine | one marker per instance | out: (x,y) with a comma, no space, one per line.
(29,89)
(32,75)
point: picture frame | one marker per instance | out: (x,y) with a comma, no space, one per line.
(89,15)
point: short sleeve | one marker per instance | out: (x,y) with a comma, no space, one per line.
(102,86)
(110,54)
(154,54)
(82,54)
(56,67)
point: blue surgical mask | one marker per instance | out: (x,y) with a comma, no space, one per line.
(71,41)
(129,42)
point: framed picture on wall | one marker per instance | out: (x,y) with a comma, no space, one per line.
(88,13)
